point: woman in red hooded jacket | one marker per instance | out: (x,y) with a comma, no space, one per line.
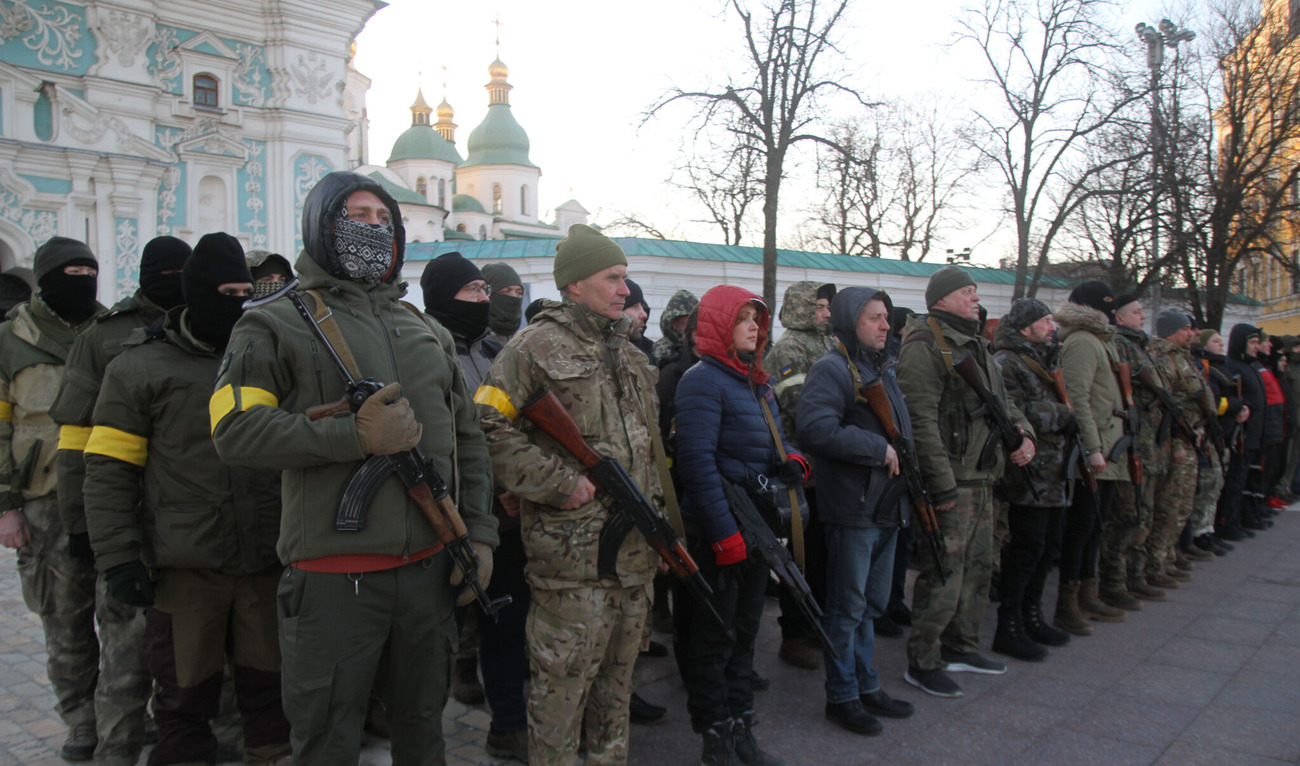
(723,434)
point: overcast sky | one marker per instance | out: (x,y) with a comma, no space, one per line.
(584,71)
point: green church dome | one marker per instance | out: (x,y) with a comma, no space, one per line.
(422,142)
(463,203)
(498,140)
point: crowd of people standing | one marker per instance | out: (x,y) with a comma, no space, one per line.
(230,482)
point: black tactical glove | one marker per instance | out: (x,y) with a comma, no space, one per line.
(79,547)
(793,471)
(130,584)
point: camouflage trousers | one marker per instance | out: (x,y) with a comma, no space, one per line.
(1001,533)
(950,614)
(107,687)
(1124,532)
(582,646)
(1170,513)
(1209,487)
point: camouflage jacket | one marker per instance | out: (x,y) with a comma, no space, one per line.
(1044,483)
(96,346)
(680,305)
(1184,378)
(1087,359)
(606,387)
(34,345)
(796,350)
(155,489)
(1131,346)
(949,439)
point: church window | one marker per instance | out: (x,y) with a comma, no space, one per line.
(422,187)
(442,192)
(523,200)
(496,198)
(460,227)
(482,232)
(205,92)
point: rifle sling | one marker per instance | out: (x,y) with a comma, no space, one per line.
(944,349)
(1036,368)
(796,518)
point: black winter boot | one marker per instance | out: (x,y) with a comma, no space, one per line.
(1036,627)
(719,747)
(747,750)
(1011,640)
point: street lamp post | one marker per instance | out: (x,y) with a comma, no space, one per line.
(1166,34)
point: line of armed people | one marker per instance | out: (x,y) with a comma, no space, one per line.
(241,497)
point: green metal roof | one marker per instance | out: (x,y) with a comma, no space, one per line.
(463,203)
(498,140)
(400,193)
(530,234)
(422,142)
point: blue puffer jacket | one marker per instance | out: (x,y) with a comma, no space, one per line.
(843,436)
(721,431)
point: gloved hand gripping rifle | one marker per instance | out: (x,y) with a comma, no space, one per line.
(423,482)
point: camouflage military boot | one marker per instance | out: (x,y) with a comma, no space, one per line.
(1160,579)
(1139,587)
(1105,606)
(1067,615)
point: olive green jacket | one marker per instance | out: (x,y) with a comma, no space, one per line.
(155,489)
(607,387)
(100,343)
(275,369)
(34,345)
(1087,356)
(948,438)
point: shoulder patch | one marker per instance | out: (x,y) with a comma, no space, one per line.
(785,371)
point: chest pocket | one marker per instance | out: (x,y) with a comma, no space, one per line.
(576,381)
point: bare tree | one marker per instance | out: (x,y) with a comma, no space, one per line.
(1051,64)
(725,175)
(631,224)
(790,58)
(1236,177)
(851,216)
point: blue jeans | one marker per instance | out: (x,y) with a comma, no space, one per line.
(859,572)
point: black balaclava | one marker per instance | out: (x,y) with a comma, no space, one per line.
(507,310)
(13,291)
(70,296)
(443,277)
(160,271)
(218,259)
(1095,294)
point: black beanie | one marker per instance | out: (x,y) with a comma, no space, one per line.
(635,295)
(945,281)
(1095,294)
(218,259)
(160,256)
(1024,312)
(71,296)
(533,310)
(826,292)
(13,291)
(444,276)
(58,252)
(1124,299)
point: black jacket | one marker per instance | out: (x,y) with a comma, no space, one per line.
(1252,386)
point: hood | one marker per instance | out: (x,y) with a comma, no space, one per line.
(713,335)
(1074,317)
(799,307)
(846,308)
(678,306)
(1237,340)
(326,197)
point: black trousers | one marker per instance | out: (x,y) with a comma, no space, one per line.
(1228,513)
(1028,557)
(1082,536)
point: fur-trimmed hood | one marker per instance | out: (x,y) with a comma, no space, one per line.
(1073,317)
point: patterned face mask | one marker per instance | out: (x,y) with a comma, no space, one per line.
(363,252)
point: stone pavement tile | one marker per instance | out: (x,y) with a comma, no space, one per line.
(1288,632)
(1165,683)
(1112,715)
(1203,654)
(971,744)
(1228,630)
(1013,715)
(1254,609)
(1237,729)
(1076,749)
(1268,691)
(1095,672)
(1278,658)
(1183,753)
(1053,693)
(1286,592)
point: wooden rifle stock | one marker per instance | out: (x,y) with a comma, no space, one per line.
(1124,378)
(1063,396)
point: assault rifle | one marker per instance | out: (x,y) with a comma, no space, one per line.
(878,399)
(1124,378)
(1147,377)
(1003,429)
(423,482)
(759,537)
(1080,450)
(1205,403)
(628,507)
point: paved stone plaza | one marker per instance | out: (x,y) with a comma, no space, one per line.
(1211,676)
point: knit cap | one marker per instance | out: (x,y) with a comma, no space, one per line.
(945,281)
(1169,321)
(583,253)
(1024,312)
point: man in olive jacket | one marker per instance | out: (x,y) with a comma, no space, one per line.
(584,628)
(950,439)
(379,600)
(159,501)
